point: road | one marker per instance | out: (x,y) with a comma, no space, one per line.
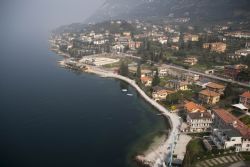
(209,76)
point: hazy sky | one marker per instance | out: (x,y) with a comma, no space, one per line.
(21,15)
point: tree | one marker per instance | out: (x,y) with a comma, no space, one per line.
(172,98)
(156,79)
(138,72)
(244,76)
(124,69)
(228,90)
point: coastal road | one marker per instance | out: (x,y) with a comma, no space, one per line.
(160,155)
(209,76)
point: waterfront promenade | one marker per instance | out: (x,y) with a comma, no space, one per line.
(158,156)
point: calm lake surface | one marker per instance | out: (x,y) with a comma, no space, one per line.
(51,116)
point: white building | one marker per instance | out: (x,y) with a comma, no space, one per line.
(163,71)
(229,131)
(199,121)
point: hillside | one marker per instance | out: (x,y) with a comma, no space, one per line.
(195,9)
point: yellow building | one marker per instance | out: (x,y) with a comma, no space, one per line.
(209,97)
(219,47)
(161,94)
(177,85)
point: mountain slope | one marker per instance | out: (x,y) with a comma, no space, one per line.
(196,9)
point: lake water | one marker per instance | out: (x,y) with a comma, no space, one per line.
(51,116)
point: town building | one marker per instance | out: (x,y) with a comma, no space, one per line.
(163,71)
(242,52)
(134,44)
(118,48)
(175,47)
(190,77)
(191,37)
(176,85)
(218,88)
(238,34)
(199,121)
(229,131)
(160,94)
(209,97)
(190,61)
(128,34)
(175,39)
(219,47)
(232,71)
(163,40)
(245,99)
(191,107)
(146,81)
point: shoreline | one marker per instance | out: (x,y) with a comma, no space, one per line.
(160,154)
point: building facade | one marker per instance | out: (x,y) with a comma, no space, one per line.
(199,121)
(209,97)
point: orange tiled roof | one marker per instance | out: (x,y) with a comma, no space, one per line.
(209,93)
(146,79)
(225,115)
(215,85)
(191,107)
(246,94)
(230,119)
(163,91)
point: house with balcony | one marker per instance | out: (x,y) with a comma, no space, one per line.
(199,121)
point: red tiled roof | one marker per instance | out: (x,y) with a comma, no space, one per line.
(225,116)
(191,107)
(146,79)
(215,85)
(230,119)
(246,94)
(209,93)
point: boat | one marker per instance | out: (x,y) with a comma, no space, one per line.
(129,94)
(124,90)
